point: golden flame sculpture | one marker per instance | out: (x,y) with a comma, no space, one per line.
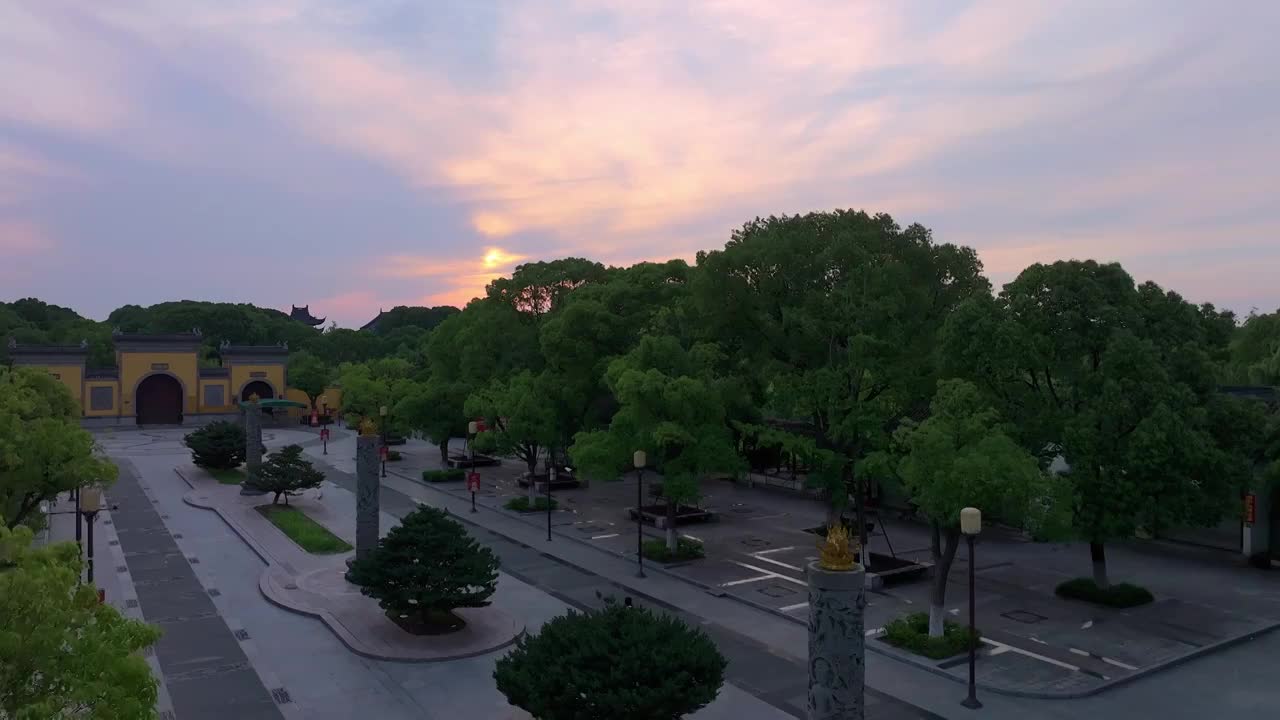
(837,552)
(367,427)
(253,397)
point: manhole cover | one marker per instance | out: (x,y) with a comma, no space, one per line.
(777,590)
(755,542)
(1023,616)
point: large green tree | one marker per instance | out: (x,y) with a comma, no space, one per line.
(520,418)
(43,450)
(670,407)
(309,374)
(62,653)
(959,457)
(435,409)
(834,316)
(1114,380)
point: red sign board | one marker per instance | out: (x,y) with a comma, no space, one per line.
(382,452)
(315,418)
(473,482)
(324,433)
(1250,509)
(480,426)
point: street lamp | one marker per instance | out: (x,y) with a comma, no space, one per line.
(472,429)
(324,429)
(638,461)
(89,504)
(551,478)
(971,525)
(382,415)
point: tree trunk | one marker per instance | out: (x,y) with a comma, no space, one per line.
(444,453)
(533,486)
(1099,554)
(943,556)
(671,526)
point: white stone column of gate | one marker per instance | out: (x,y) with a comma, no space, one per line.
(837,643)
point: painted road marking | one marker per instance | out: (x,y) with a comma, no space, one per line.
(758,553)
(748,580)
(602,537)
(695,539)
(771,573)
(776,562)
(1030,654)
(797,606)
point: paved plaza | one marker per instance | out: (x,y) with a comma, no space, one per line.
(187,569)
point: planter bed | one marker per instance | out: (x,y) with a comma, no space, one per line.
(563,482)
(462,461)
(521,504)
(451,475)
(656,515)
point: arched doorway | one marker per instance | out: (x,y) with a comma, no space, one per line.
(159,400)
(259,388)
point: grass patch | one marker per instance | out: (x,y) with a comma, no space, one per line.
(911,633)
(521,504)
(307,533)
(450,475)
(1123,595)
(685,550)
(227,476)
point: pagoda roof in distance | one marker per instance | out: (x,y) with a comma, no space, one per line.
(304,316)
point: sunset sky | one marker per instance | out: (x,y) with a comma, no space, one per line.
(367,153)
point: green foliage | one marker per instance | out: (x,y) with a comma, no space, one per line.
(520,416)
(220,445)
(307,533)
(286,472)
(686,549)
(309,374)
(403,317)
(1123,595)
(449,475)
(227,476)
(521,504)
(32,322)
(62,653)
(394,455)
(427,565)
(43,450)
(911,633)
(618,663)
(434,408)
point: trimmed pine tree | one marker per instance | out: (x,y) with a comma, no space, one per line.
(286,473)
(424,569)
(217,446)
(618,663)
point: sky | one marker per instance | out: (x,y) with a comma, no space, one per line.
(362,154)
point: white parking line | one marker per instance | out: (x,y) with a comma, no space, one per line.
(758,553)
(770,572)
(1030,654)
(602,537)
(797,606)
(748,580)
(776,562)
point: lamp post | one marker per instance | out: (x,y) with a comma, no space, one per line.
(75,501)
(551,478)
(472,429)
(638,461)
(970,526)
(89,504)
(324,429)
(382,415)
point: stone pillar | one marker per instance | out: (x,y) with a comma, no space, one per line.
(837,645)
(368,488)
(252,447)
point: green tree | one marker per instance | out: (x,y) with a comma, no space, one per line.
(363,394)
(43,450)
(435,409)
(426,567)
(670,408)
(1113,379)
(286,472)
(961,457)
(834,317)
(309,374)
(618,663)
(62,653)
(521,418)
(219,445)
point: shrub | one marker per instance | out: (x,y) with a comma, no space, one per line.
(685,550)
(394,455)
(218,445)
(521,504)
(450,475)
(425,568)
(1123,595)
(618,663)
(286,473)
(911,633)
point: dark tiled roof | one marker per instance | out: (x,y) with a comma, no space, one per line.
(48,350)
(303,315)
(215,372)
(374,322)
(102,374)
(160,337)
(254,349)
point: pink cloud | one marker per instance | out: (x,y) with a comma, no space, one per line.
(23,237)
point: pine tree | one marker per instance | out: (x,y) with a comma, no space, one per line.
(286,473)
(425,568)
(218,445)
(619,663)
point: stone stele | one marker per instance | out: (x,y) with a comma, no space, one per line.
(837,645)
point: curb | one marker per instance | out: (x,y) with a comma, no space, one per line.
(876,647)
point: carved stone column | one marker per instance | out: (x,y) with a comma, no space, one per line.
(368,489)
(837,644)
(252,447)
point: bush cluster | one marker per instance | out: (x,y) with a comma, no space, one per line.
(217,446)
(521,504)
(911,633)
(685,550)
(450,475)
(1123,595)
